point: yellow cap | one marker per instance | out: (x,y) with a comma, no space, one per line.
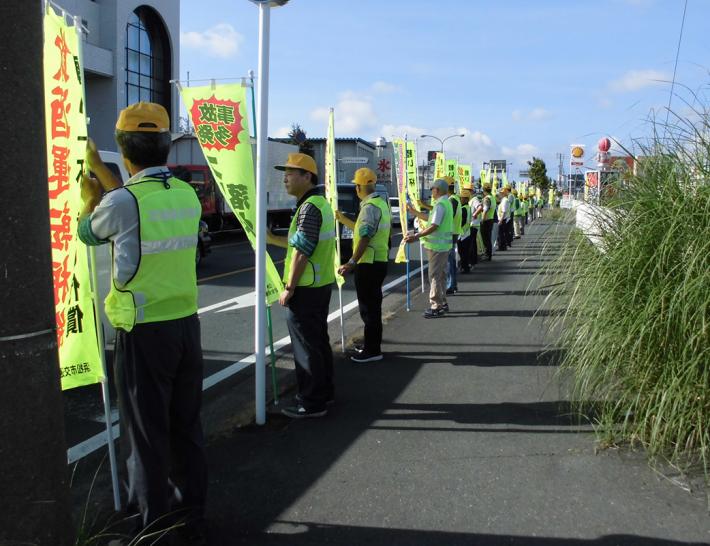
(449,180)
(486,187)
(364,176)
(465,193)
(299,161)
(144,117)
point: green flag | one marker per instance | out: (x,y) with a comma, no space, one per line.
(331,189)
(79,357)
(219,116)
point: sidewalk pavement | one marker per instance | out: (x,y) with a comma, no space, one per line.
(462,435)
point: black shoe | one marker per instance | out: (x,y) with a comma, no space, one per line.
(445,307)
(366,357)
(298,400)
(299,412)
(434,313)
(450,291)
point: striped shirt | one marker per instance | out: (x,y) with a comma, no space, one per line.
(308,225)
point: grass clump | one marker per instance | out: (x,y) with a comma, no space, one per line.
(636,331)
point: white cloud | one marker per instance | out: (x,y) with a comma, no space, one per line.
(282,132)
(635,80)
(218,41)
(383,87)
(353,113)
(536,114)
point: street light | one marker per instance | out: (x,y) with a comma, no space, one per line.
(444,140)
(262,126)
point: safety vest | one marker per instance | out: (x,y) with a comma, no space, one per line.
(164,287)
(320,269)
(378,248)
(457,214)
(440,239)
(466,227)
(518,207)
(491,214)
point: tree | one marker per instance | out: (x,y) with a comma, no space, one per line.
(298,137)
(538,173)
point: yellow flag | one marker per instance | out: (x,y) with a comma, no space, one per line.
(412,177)
(439,165)
(221,125)
(79,357)
(399,148)
(331,189)
(464,176)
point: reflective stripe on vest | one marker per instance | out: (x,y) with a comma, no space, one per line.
(378,248)
(320,269)
(164,287)
(440,240)
(457,215)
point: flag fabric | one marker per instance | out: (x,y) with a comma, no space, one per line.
(464,176)
(439,165)
(412,179)
(399,147)
(331,189)
(66,134)
(219,116)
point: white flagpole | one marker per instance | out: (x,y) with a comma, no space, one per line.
(261,166)
(106,399)
(334,192)
(104,382)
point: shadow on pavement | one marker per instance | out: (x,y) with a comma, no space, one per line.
(308,533)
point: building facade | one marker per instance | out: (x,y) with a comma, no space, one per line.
(131,52)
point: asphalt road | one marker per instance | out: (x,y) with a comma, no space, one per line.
(224,275)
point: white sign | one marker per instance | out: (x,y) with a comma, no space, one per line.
(359,160)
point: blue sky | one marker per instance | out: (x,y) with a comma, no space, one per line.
(519,78)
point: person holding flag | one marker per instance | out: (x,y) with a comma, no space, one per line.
(308,277)
(152,223)
(489,207)
(371,234)
(436,238)
(464,242)
(451,285)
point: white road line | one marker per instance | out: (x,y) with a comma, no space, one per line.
(88,446)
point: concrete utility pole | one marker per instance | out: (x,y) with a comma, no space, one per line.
(34,499)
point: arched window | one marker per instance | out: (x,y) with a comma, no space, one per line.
(148,59)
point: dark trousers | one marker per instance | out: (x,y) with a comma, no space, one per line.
(502,240)
(509,231)
(465,253)
(368,284)
(307,321)
(158,369)
(474,246)
(486,232)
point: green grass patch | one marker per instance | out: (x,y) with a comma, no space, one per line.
(636,331)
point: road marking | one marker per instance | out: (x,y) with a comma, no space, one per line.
(228,273)
(97,441)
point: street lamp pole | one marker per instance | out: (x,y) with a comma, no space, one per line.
(441,141)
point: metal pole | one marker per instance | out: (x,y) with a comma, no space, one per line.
(261,165)
(404,223)
(106,399)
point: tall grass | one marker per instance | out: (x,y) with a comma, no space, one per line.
(636,332)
